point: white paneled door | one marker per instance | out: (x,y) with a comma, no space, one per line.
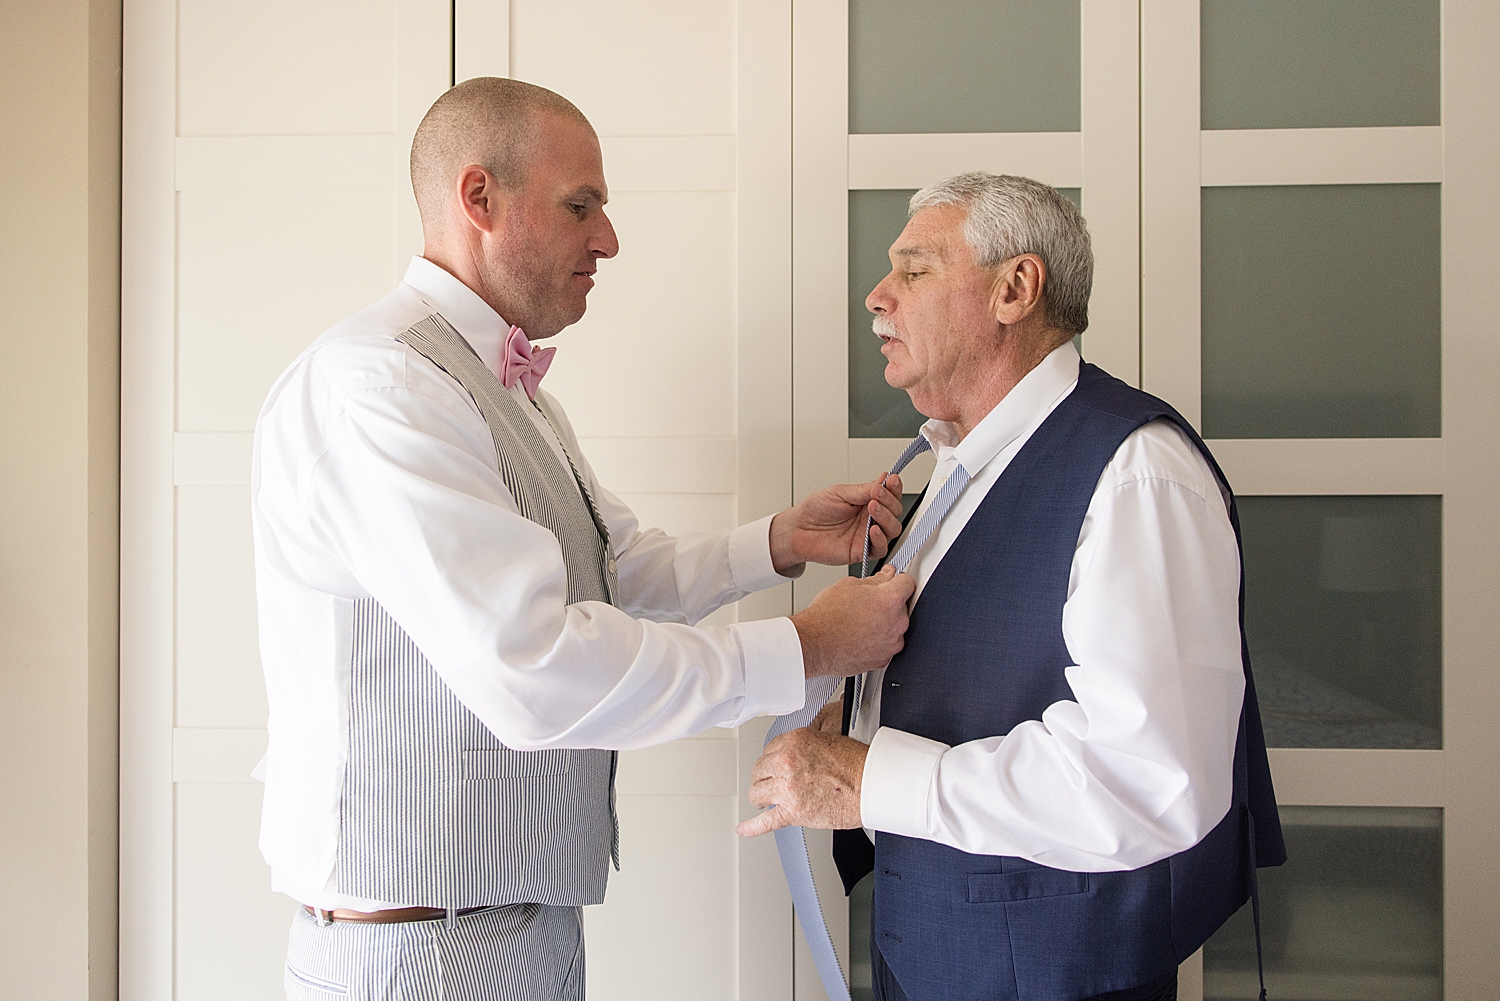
(266,198)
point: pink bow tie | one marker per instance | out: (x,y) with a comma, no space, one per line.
(519,360)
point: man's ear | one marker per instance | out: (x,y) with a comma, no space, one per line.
(1017,291)
(480,198)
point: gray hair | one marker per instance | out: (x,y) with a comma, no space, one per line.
(1009,216)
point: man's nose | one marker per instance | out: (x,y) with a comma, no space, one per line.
(606,244)
(879,300)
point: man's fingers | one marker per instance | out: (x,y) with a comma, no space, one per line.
(886,491)
(762,794)
(830,718)
(763,823)
(888,520)
(900,585)
(905,583)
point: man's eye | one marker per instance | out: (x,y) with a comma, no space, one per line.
(577,208)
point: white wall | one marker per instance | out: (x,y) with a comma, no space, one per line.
(266,198)
(59,227)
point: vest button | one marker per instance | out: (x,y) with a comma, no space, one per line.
(610,565)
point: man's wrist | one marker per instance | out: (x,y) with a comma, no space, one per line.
(896,783)
(812,648)
(784,556)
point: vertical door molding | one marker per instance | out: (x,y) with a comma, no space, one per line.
(820,345)
(1171,206)
(1471,539)
(481,39)
(763,322)
(820,258)
(820,214)
(424,67)
(1110,65)
(147,366)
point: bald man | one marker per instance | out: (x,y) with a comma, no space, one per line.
(460,625)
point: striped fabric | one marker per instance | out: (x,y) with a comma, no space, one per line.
(524,952)
(435,810)
(544,491)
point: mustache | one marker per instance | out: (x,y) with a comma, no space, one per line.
(884,327)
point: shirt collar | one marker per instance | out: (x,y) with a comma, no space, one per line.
(1024,406)
(470,315)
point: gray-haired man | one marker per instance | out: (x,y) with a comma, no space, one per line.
(1063,770)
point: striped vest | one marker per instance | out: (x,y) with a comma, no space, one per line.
(435,810)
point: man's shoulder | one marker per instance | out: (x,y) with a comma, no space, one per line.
(1161,450)
(357,353)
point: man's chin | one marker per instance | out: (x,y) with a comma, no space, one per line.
(895,378)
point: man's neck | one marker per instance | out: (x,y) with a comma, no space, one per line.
(461,263)
(993,382)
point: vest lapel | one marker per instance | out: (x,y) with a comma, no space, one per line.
(543,490)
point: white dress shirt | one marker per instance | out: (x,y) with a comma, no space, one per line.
(1138,766)
(375,475)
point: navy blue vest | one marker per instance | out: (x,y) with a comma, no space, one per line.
(985,652)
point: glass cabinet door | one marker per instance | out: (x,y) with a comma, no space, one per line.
(1270,187)
(896,96)
(1292,300)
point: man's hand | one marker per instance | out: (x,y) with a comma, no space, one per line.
(812,778)
(829,526)
(830,718)
(857,625)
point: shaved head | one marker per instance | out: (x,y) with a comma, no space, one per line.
(489,121)
(509,179)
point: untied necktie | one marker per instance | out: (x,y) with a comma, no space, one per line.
(791,842)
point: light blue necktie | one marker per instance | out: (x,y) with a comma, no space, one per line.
(791,842)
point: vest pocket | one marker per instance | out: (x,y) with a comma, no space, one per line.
(1000,887)
(490,764)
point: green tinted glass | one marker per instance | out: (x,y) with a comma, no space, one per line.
(963,66)
(1356,912)
(1343,612)
(1322,311)
(1293,64)
(876,410)
(861,986)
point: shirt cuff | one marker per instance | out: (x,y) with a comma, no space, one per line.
(774,676)
(897,785)
(750,557)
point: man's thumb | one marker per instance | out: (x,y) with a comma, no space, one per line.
(761,823)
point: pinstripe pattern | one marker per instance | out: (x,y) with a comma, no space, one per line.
(435,810)
(524,952)
(544,491)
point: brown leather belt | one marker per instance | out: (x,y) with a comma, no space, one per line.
(394,915)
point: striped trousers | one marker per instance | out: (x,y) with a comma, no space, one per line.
(520,952)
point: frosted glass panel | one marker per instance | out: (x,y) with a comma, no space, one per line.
(1322,311)
(1356,912)
(861,980)
(1343,612)
(963,66)
(876,409)
(1296,64)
